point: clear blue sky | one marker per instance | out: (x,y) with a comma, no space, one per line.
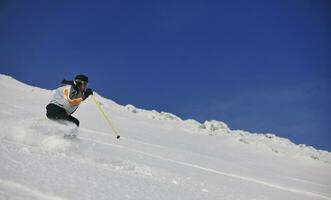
(261,66)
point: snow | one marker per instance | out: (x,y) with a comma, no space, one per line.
(159,156)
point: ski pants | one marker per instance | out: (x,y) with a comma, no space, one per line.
(55,112)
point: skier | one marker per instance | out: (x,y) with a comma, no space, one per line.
(67,98)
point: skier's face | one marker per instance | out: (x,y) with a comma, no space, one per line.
(82,85)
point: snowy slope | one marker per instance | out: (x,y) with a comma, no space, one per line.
(160,156)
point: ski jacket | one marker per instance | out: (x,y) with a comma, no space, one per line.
(67,97)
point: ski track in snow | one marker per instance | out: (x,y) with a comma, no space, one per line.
(186,164)
(310,182)
(208,169)
(36,193)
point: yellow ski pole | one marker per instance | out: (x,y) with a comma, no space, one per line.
(106,118)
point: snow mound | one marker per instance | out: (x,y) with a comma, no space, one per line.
(214,127)
(282,146)
(153,114)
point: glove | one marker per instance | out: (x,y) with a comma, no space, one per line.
(87,93)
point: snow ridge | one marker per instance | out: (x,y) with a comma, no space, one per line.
(265,140)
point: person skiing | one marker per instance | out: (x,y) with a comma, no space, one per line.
(67,98)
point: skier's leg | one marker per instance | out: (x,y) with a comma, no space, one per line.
(57,113)
(73,132)
(73,119)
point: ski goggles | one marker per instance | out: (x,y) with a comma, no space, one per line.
(79,82)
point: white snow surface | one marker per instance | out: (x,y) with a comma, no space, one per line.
(159,156)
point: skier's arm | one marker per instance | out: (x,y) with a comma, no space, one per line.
(72,102)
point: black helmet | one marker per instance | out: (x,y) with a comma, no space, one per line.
(81,78)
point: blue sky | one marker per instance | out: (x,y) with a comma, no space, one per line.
(261,66)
